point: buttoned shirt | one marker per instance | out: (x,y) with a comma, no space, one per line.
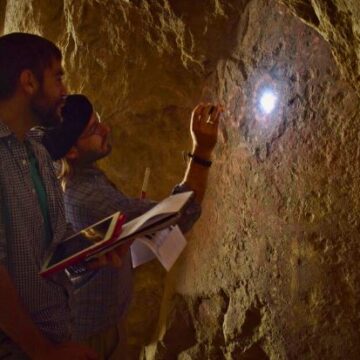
(89,197)
(23,248)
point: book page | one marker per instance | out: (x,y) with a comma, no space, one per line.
(140,253)
(171,205)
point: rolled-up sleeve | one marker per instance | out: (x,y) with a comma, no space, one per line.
(86,206)
(105,204)
(89,201)
(190,213)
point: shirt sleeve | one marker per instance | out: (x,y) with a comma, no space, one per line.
(86,205)
(3,245)
(69,230)
(191,213)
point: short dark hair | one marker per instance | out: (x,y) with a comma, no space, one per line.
(21,51)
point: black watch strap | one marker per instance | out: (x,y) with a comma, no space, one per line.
(199,160)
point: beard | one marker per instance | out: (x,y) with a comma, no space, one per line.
(88,157)
(107,144)
(46,113)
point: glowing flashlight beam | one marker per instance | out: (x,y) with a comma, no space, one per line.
(268,102)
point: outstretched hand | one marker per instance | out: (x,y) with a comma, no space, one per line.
(204,126)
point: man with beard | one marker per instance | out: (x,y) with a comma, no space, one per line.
(100,305)
(34,316)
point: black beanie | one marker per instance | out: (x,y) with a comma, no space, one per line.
(76,114)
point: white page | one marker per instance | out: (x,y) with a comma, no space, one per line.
(140,253)
(170,247)
(144,248)
(166,245)
(172,204)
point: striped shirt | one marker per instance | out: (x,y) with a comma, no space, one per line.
(22,235)
(101,302)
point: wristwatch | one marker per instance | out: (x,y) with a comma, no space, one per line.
(199,160)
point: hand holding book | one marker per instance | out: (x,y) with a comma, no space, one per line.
(112,258)
(79,252)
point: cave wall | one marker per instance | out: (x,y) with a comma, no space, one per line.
(271,269)
(338,23)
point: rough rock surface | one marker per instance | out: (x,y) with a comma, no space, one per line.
(338,22)
(271,270)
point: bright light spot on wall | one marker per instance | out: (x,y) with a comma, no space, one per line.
(268,101)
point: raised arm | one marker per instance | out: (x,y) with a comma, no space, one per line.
(204,130)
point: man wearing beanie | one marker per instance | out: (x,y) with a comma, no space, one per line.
(77,113)
(100,305)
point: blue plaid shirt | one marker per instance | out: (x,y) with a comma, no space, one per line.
(102,301)
(22,244)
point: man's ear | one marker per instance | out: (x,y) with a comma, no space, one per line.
(72,154)
(28,82)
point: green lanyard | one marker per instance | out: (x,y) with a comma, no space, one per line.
(41,194)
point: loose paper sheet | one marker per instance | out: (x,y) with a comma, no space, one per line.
(165,245)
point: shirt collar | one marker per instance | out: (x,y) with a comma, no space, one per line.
(85,173)
(88,171)
(34,133)
(4,130)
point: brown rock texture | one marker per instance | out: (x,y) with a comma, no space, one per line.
(271,269)
(338,23)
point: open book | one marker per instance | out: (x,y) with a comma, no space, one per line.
(102,237)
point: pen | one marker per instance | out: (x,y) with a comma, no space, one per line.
(208,121)
(145,183)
